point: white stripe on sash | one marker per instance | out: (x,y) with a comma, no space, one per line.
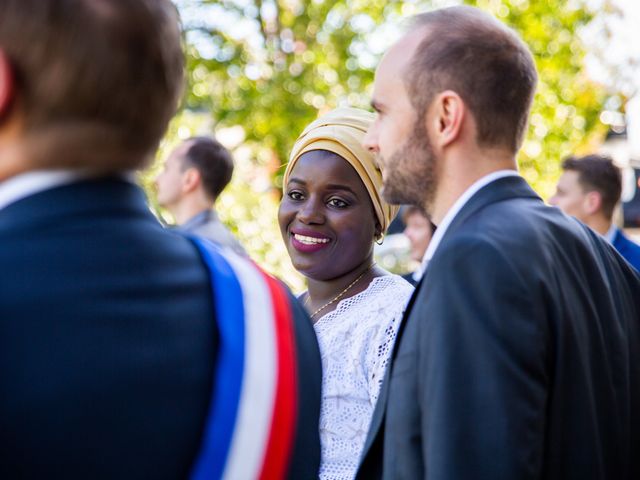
(257,394)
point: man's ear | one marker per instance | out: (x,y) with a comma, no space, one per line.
(7,84)
(190,179)
(592,202)
(448,112)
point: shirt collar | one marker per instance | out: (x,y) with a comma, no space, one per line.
(611,233)
(417,274)
(29,183)
(200,219)
(455,209)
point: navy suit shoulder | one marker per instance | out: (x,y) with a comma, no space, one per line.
(493,375)
(108,341)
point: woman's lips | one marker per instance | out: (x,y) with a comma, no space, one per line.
(308,243)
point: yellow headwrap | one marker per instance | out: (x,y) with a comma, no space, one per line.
(342,131)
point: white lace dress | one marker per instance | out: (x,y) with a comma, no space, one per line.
(355,341)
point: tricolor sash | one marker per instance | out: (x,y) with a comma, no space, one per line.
(251,421)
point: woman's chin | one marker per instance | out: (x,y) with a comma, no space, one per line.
(314,272)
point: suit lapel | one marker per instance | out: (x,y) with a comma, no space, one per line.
(501,189)
(504,188)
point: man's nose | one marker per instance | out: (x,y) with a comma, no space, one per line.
(370,141)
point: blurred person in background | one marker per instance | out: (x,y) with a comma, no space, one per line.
(589,189)
(114,332)
(194,175)
(331,214)
(418,230)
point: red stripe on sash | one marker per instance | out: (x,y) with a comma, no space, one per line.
(283,424)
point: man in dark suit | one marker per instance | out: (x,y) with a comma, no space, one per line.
(110,335)
(589,189)
(519,354)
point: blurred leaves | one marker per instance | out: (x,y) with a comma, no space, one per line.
(277,64)
(565,114)
(271,66)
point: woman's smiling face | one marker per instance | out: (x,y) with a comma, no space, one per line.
(326,217)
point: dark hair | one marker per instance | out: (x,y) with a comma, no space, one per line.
(471,53)
(598,173)
(213,161)
(97,81)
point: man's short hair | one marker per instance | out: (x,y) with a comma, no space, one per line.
(99,79)
(598,173)
(213,161)
(483,61)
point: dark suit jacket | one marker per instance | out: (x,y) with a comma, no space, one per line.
(519,354)
(409,278)
(108,341)
(628,249)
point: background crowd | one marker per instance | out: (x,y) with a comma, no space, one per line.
(132,349)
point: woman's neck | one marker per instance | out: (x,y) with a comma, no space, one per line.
(322,293)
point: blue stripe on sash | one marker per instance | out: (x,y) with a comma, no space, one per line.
(228,370)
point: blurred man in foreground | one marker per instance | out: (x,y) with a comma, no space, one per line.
(589,189)
(194,175)
(113,331)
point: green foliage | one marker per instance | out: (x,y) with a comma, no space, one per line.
(299,58)
(271,66)
(277,64)
(566,109)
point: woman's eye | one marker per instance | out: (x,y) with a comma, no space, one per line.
(295,195)
(336,202)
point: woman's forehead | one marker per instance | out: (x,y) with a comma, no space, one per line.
(320,165)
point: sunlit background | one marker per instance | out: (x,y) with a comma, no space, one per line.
(260,70)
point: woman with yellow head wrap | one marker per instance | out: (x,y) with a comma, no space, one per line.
(331,213)
(342,132)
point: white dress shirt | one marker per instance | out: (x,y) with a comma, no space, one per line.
(27,184)
(455,209)
(611,234)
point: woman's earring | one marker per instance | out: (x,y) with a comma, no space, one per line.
(379,239)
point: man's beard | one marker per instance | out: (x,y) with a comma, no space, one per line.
(410,176)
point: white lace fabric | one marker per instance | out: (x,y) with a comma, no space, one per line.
(355,341)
